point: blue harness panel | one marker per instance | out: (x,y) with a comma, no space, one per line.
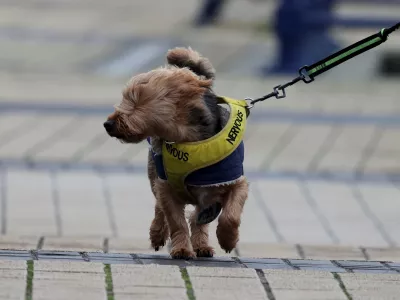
(228,169)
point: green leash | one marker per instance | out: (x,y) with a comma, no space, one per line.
(308,73)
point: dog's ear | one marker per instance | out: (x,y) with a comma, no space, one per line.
(188,58)
(184,85)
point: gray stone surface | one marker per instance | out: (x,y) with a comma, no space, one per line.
(68,279)
(148,282)
(218,283)
(303,285)
(59,82)
(12,279)
(371,286)
(84,203)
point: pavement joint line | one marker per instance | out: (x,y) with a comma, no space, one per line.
(371,216)
(312,203)
(369,149)
(342,286)
(365,253)
(18,33)
(188,284)
(84,256)
(283,141)
(108,203)
(265,284)
(272,115)
(324,148)
(112,168)
(29,279)
(288,262)
(109,282)
(337,264)
(54,137)
(136,258)
(34,254)
(11,134)
(93,143)
(242,264)
(55,195)
(133,59)
(384,263)
(267,213)
(106,245)
(300,251)
(111,258)
(40,243)
(3,203)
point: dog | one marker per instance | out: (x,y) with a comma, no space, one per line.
(174,108)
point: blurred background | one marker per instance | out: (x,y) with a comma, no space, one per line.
(324,163)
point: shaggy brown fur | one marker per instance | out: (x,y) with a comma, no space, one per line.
(175,103)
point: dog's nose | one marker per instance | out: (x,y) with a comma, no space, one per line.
(109,125)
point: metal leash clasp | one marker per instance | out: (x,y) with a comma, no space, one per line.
(277,94)
(251,105)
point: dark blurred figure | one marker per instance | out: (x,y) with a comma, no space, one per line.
(302,30)
(209,12)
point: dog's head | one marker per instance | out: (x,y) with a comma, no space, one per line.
(164,102)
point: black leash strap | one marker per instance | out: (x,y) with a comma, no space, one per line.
(308,73)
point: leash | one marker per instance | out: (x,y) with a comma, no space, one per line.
(308,73)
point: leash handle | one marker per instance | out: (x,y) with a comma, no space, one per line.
(308,73)
(345,54)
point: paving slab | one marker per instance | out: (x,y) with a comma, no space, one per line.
(68,279)
(321,213)
(12,279)
(303,285)
(148,282)
(125,245)
(385,254)
(79,197)
(219,283)
(387,196)
(279,196)
(339,206)
(331,252)
(371,286)
(268,250)
(19,242)
(295,154)
(30,210)
(65,243)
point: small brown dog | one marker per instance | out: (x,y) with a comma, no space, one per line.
(174,107)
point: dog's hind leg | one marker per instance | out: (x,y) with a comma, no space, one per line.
(174,212)
(199,237)
(229,220)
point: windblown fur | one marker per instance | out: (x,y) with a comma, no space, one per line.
(175,103)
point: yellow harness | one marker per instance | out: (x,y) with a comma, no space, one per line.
(180,160)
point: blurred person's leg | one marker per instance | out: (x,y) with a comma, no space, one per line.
(302,31)
(209,12)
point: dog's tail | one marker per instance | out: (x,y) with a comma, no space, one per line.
(188,58)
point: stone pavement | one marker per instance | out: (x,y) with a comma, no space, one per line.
(113,269)
(87,203)
(75,207)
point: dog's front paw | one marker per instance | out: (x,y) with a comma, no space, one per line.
(182,253)
(205,251)
(227,238)
(158,238)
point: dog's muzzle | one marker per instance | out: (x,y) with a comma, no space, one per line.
(109,126)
